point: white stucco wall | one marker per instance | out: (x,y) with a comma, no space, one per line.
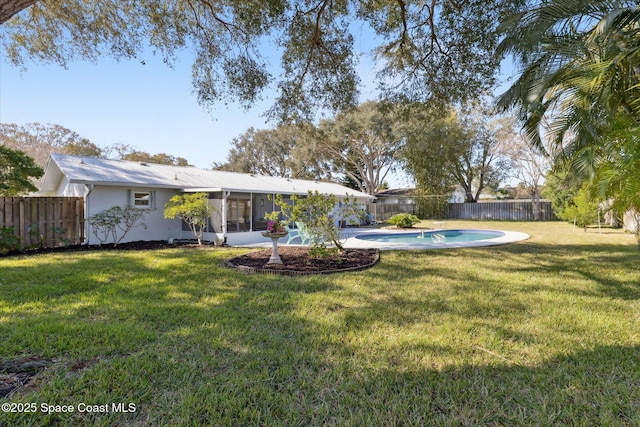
(67,189)
(239,238)
(158,228)
(102,197)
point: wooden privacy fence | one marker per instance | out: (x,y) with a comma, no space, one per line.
(44,222)
(503,210)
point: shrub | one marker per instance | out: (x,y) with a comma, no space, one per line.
(404,220)
(8,240)
(115,223)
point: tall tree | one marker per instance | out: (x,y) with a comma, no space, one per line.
(430,148)
(579,62)
(439,49)
(83,147)
(362,144)
(17,170)
(530,163)
(481,162)
(122,151)
(39,141)
(287,151)
(159,158)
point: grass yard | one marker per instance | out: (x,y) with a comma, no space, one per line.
(541,332)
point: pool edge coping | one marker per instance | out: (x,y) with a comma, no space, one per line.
(508,237)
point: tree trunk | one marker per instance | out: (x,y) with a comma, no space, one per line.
(8,8)
(637,218)
(469,198)
(535,206)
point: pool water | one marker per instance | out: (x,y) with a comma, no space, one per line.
(432,238)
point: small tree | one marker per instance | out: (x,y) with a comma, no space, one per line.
(115,223)
(194,209)
(584,211)
(320,213)
(16,171)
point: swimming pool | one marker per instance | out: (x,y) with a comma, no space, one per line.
(426,239)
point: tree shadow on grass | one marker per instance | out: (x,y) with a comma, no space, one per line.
(232,349)
(613,268)
(593,387)
(279,366)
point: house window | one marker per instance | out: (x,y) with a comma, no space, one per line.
(142,199)
(238,213)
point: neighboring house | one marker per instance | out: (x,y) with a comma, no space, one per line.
(406,196)
(458,195)
(403,196)
(241,201)
(391,202)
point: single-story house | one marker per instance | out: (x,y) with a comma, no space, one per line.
(394,196)
(241,200)
(407,196)
(393,201)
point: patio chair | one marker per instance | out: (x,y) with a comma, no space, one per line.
(300,232)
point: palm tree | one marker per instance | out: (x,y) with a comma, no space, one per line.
(579,62)
(580,72)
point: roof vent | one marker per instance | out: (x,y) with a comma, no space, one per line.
(143,164)
(175,177)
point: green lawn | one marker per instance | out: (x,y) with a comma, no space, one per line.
(541,332)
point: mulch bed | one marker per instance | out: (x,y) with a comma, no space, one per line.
(296,261)
(128,246)
(18,373)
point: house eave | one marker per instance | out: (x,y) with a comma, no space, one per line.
(125,184)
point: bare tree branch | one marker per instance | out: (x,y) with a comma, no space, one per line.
(8,8)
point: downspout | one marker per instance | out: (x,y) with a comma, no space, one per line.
(225,194)
(87,233)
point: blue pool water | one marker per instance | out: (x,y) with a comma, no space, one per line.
(432,238)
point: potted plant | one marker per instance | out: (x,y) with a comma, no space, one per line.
(275,229)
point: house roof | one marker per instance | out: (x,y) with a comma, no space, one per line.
(93,170)
(395,192)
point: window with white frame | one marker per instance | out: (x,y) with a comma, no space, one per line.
(142,199)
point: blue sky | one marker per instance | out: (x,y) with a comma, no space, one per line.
(150,107)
